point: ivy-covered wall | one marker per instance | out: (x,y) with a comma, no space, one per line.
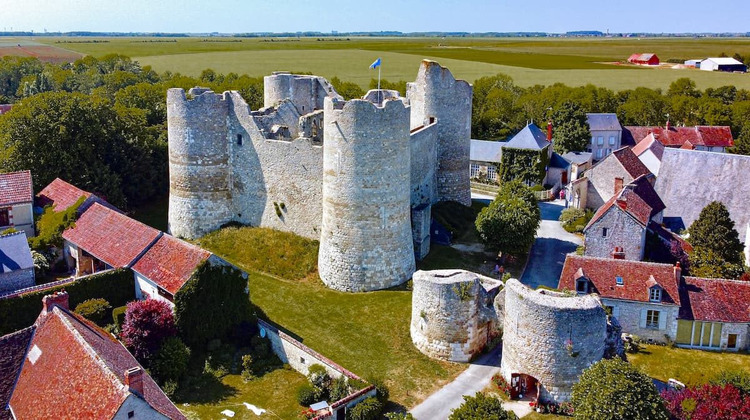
(526,165)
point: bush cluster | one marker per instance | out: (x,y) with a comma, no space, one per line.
(96,310)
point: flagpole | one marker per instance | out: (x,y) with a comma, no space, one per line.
(379,93)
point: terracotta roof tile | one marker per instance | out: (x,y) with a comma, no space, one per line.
(13,349)
(15,188)
(110,236)
(701,135)
(602,274)
(644,188)
(78,372)
(630,162)
(60,195)
(716,300)
(170,262)
(649,143)
(630,201)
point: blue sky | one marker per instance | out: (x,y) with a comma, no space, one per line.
(398,15)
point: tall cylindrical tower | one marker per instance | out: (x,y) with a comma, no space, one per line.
(199,173)
(365,239)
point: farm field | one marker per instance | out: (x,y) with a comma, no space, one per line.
(26,48)
(529,61)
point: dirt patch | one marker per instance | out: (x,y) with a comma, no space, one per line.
(46,53)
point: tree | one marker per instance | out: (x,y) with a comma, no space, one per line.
(147,324)
(708,402)
(642,106)
(571,128)
(683,86)
(348,90)
(171,361)
(612,389)
(510,222)
(717,250)
(742,142)
(481,407)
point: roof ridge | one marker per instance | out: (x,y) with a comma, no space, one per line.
(16,172)
(612,259)
(742,282)
(7,235)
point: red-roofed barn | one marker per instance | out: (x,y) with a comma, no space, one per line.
(644,59)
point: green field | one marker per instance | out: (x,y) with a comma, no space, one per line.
(529,61)
(691,367)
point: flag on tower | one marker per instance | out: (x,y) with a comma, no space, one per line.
(375,64)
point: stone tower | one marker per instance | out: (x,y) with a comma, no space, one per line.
(549,338)
(306,92)
(366,237)
(200,197)
(452,313)
(437,95)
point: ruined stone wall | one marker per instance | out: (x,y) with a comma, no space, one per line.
(552,337)
(452,315)
(424,165)
(436,94)
(622,231)
(306,92)
(199,173)
(366,237)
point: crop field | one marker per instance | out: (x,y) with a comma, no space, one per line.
(529,61)
(47,53)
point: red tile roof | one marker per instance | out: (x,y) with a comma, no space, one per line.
(110,236)
(170,262)
(13,349)
(649,142)
(643,187)
(602,275)
(16,188)
(630,201)
(686,137)
(716,300)
(79,373)
(630,162)
(60,194)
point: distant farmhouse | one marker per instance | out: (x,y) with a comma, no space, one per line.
(644,59)
(723,64)
(699,137)
(16,202)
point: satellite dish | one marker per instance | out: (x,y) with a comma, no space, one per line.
(262,332)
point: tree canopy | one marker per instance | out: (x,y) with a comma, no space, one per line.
(571,128)
(510,222)
(717,250)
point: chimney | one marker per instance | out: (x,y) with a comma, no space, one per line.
(549,131)
(618,253)
(668,125)
(677,272)
(134,380)
(57,299)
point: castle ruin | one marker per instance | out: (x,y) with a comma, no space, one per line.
(360,175)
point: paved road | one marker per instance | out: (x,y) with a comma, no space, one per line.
(438,406)
(550,247)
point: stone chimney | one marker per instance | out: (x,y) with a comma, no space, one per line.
(57,299)
(618,253)
(549,131)
(677,272)
(134,380)
(668,125)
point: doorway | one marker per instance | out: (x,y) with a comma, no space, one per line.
(523,387)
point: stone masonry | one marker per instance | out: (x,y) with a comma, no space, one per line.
(273,168)
(453,316)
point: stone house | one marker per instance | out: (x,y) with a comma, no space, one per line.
(16,264)
(68,367)
(650,152)
(606,134)
(618,228)
(700,137)
(606,178)
(484,158)
(16,202)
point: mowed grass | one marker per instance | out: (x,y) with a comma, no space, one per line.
(691,367)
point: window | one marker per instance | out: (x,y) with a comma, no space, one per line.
(611,140)
(302,360)
(599,153)
(239,139)
(609,151)
(732,341)
(491,173)
(4,217)
(581,286)
(593,141)
(604,232)
(654,294)
(600,140)
(619,281)
(474,170)
(652,319)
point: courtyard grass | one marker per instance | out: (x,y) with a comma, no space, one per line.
(691,367)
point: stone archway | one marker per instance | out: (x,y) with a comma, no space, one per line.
(524,387)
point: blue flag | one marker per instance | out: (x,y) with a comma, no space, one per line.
(375,64)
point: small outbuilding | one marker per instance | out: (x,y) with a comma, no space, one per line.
(723,64)
(644,59)
(693,63)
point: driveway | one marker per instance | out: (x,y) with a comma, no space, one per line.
(550,247)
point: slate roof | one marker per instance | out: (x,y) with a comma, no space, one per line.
(603,122)
(170,262)
(557,161)
(15,253)
(649,143)
(16,188)
(717,300)
(13,349)
(486,151)
(630,162)
(602,274)
(578,158)
(530,137)
(60,195)
(644,188)
(629,202)
(689,180)
(110,236)
(700,135)
(79,373)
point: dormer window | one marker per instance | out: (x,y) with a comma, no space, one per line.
(654,294)
(239,139)
(582,285)
(619,281)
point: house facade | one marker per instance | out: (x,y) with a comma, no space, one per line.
(16,264)
(606,134)
(485,156)
(16,202)
(606,178)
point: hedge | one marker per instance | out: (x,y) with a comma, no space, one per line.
(116,286)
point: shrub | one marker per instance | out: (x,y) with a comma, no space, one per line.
(247,368)
(318,376)
(481,407)
(51,224)
(570,214)
(502,385)
(510,222)
(118,316)
(383,392)
(261,346)
(307,395)
(740,379)
(708,402)
(147,324)
(399,416)
(625,391)
(95,310)
(170,389)
(171,361)
(41,263)
(339,388)
(367,409)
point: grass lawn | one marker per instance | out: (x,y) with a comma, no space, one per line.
(274,391)
(691,367)
(536,416)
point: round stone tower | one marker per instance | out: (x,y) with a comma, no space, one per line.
(452,313)
(200,198)
(365,239)
(549,338)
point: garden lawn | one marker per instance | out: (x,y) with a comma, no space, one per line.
(691,367)
(274,391)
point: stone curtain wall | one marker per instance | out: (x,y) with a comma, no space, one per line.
(551,337)
(622,231)
(366,236)
(452,313)
(424,166)
(16,279)
(437,94)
